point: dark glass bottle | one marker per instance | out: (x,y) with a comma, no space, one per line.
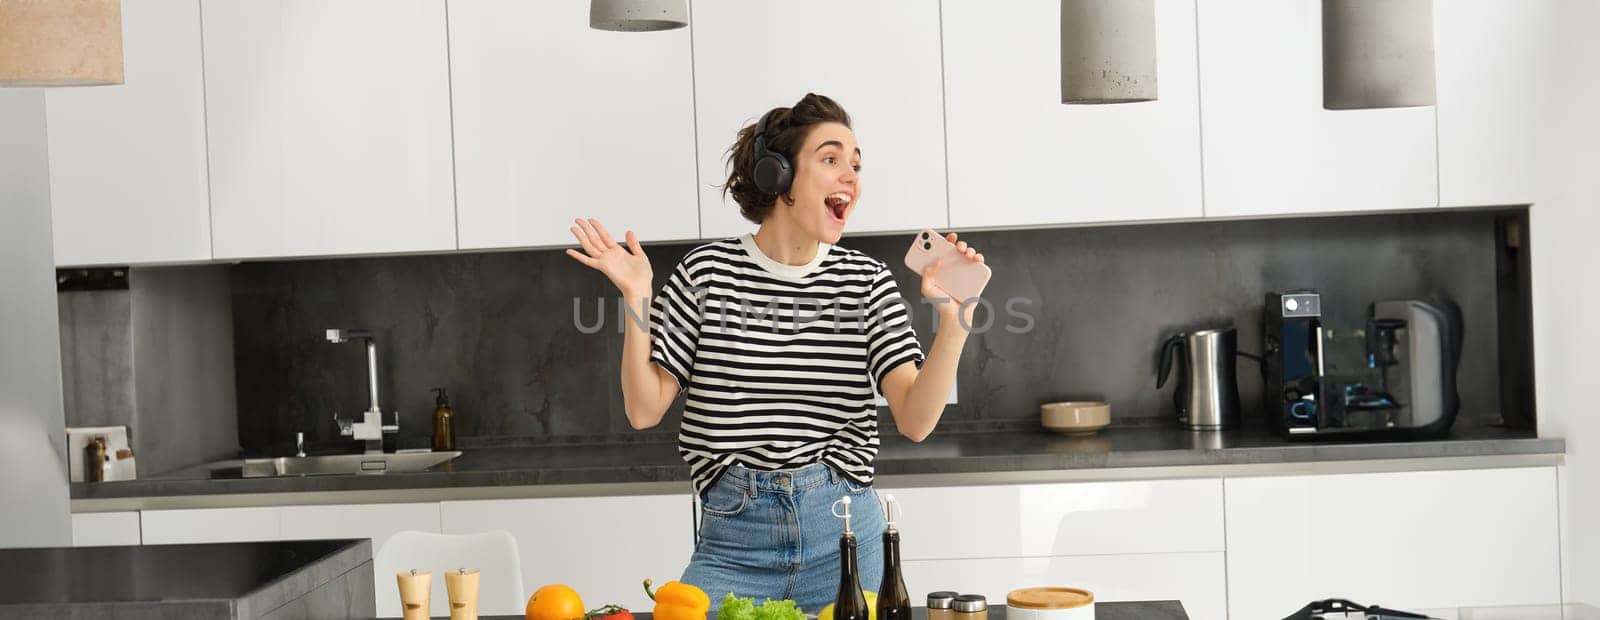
(894,603)
(851,604)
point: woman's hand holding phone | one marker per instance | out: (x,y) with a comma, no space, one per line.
(950,269)
(627,267)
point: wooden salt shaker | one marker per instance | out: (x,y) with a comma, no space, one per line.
(414,589)
(462,585)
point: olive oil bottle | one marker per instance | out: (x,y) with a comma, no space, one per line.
(894,602)
(851,604)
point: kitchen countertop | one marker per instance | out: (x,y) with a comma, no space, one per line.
(1131,610)
(224,580)
(942,459)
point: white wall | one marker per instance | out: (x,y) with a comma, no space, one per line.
(1566,279)
(33,464)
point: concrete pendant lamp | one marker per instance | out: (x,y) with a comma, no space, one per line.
(638,15)
(60,42)
(1377,54)
(1108,51)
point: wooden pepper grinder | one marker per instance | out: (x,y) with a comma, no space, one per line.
(414,589)
(462,585)
(94,460)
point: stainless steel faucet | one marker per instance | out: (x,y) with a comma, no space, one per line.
(371,428)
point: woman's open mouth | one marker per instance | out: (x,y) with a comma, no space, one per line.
(838,203)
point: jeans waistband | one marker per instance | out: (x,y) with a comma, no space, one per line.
(782,480)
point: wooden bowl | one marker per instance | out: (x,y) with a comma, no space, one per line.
(1075,417)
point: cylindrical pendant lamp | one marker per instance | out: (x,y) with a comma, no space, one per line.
(638,15)
(60,42)
(1108,51)
(1377,54)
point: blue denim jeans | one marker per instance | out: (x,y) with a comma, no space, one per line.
(772,534)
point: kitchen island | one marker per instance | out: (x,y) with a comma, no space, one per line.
(260,580)
(1131,610)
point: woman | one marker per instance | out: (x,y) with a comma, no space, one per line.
(779,338)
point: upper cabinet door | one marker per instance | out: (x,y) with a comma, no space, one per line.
(880,60)
(329,126)
(1488,61)
(1270,148)
(1019,157)
(555,120)
(128,162)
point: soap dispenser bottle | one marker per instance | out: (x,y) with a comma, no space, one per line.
(444,422)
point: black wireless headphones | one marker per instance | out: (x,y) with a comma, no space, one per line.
(772,172)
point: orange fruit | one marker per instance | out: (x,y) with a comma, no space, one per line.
(555,602)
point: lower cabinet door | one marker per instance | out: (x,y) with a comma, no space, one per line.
(601,546)
(1195,579)
(210,525)
(376,522)
(1410,540)
(105,529)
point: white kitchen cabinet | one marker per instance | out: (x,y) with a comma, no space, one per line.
(128,162)
(1081,518)
(1195,579)
(1018,157)
(1403,540)
(1488,59)
(105,529)
(377,522)
(1269,148)
(601,546)
(880,60)
(210,525)
(329,127)
(555,120)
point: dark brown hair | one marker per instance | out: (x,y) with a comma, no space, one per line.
(786,133)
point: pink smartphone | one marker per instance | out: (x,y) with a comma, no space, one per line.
(958,277)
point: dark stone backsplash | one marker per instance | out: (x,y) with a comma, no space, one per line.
(498,329)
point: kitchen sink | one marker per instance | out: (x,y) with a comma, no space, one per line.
(345,464)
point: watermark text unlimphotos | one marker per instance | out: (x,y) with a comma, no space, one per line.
(793,315)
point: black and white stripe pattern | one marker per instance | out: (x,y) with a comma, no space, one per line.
(779,360)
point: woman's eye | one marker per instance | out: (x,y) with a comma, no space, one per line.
(857,167)
(828,160)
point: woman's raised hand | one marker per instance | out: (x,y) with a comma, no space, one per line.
(627,267)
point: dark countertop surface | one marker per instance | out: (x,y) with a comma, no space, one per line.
(1131,610)
(171,574)
(949,453)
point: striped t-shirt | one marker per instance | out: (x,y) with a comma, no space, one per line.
(779,360)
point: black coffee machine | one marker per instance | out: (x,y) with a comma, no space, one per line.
(1397,381)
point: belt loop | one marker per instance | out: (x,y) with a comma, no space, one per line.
(833,476)
(694,517)
(752,489)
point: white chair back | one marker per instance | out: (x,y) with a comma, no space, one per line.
(494,554)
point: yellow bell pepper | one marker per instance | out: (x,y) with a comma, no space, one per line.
(678,601)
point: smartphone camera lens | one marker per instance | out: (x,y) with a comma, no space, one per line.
(924,235)
(927,246)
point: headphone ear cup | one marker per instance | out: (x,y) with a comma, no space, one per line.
(773,174)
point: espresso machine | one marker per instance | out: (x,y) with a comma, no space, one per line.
(1398,380)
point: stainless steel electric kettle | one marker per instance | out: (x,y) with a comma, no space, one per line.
(1207,396)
